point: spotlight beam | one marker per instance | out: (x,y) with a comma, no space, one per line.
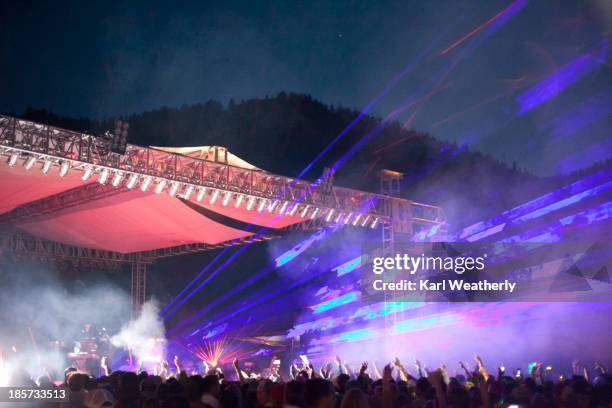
(386,89)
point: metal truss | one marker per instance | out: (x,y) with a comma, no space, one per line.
(139,284)
(79,151)
(24,244)
(17,242)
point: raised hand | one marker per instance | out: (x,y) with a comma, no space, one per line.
(419,367)
(364,368)
(500,371)
(465,369)
(600,368)
(444,373)
(310,370)
(328,369)
(481,368)
(387,371)
(322,372)
(104,363)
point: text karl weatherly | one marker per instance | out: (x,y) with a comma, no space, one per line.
(444,285)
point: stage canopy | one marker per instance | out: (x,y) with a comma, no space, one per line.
(129,220)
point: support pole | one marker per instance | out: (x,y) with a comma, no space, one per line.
(390,183)
(139,284)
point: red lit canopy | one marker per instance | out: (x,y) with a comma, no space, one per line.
(128,220)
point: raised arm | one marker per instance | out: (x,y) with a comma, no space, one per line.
(164,372)
(239,372)
(326,371)
(481,368)
(404,374)
(363,370)
(376,371)
(177,365)
(465,369)
(484,390)
(341,369)
(435,379)
(500,371)
(419,367)
(105,364)
(387,396)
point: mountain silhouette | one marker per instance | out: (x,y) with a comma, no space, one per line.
(282,134)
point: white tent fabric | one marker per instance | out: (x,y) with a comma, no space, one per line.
(208,153)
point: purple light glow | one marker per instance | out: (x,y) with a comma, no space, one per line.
(592,154)
(562,78)
(530,206)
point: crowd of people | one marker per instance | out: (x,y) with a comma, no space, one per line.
(332,386)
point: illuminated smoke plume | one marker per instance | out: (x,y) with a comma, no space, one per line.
(141,333)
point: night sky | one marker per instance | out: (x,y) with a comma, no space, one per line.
(115,58)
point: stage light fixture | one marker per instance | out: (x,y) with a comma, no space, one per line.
(374,223)
(64,167)
(314,213)
(356,220)
(28,164)
(174,188)
(131,183)
(161,184)
(330,214)
(226,198)
(365,221)
(348,218)
(272,205)
(103,177)
(239,200)
(304,211)
(214,196)
(117,178)
(87,173)
(201,194)
(283,207)
(262,205)
(294,209)
(46,166)
(188,191)
(250,203)
(13,159)
(146,183)
(338,218)
(119,137)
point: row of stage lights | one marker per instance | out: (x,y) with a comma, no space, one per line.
(186,191)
